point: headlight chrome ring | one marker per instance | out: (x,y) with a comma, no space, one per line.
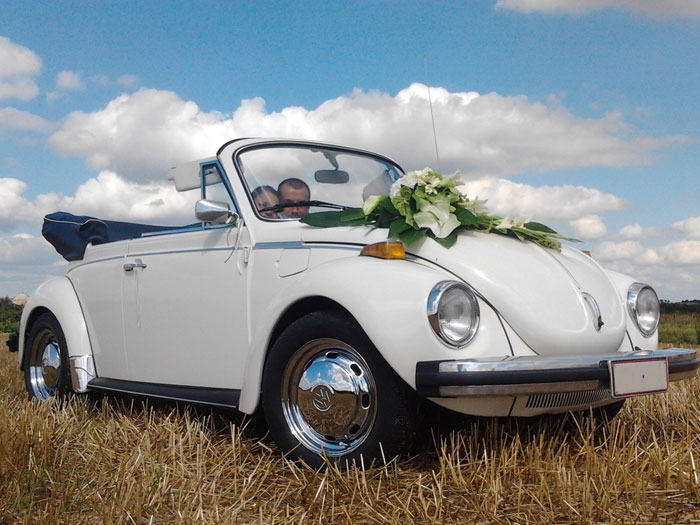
(643,306)
(453,313)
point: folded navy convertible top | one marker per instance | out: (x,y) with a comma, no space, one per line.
(70,234)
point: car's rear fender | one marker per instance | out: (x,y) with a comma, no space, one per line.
(388,300)
(58,297)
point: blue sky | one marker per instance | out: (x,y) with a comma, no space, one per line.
(583,113)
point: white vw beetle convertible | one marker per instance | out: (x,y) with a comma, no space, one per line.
(335,332)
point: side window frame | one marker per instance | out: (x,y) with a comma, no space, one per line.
(216,165)
(205,170)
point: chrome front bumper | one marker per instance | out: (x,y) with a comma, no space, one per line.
(530,375)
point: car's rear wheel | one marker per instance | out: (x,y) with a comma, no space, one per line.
(46,360)
(328,392)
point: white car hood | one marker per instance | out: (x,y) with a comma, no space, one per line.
(538,291)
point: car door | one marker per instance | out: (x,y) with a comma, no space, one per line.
(185,314)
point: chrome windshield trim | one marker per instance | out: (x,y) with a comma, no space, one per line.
(517,363)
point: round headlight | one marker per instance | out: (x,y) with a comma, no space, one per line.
(453,312)
(643,305)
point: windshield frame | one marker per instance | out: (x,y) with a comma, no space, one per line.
(299,145)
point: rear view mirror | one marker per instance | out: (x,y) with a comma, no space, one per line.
(332,176)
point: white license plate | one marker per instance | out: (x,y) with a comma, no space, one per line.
(635,377)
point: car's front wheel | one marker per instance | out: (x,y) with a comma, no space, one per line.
(328,392)
(46,360)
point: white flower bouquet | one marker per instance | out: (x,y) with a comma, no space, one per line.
(426,203)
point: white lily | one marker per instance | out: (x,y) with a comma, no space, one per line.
(410,179)
(371,203)
(476,206)
(513,222)
(437,217)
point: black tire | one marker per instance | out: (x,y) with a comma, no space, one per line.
(45,360)
(355,407)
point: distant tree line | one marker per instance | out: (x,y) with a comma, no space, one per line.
(9,315)
(687,306)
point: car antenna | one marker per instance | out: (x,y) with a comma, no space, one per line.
(432,117)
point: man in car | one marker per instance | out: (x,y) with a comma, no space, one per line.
(293,191)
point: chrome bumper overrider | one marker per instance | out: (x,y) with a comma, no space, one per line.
(528,375)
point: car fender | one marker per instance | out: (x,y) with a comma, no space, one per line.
(57,296)
(388,299)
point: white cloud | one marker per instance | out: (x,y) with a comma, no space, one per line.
(636,231)
(18,65)
(26,249)
(672,268)
(589,227)
(626,251)
(111,197)
(128,81)
(560,203)
(654,8)
(107,196)
(141,135)
(689,226)
(15,209)
(26,261)
(15,119)
(100,80)
(683,252)
(69,81)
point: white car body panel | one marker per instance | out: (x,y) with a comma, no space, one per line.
(200,307)
(58,296)
(97,280)
(192,333)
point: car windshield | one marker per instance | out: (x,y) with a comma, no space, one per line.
(286,182)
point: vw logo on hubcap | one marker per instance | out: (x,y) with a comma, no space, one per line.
(322,398)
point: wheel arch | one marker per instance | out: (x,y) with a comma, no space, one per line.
(56,296)
(299,309)
(380,296)
(250,394)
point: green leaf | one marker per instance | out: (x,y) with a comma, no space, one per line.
(329,219)
(465,217)
(538,227)
(352,214)
(448,241)
(397,227)
(410,236)
(388,207)
(322,219)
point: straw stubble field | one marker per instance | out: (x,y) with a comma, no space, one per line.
(107,462)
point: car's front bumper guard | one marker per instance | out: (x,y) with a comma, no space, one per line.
(530,375)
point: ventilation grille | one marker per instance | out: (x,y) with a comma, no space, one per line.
(567,399)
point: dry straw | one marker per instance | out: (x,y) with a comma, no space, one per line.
(106,462)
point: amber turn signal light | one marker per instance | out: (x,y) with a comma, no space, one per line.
(385,250)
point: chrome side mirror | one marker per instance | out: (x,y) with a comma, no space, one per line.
(214,211)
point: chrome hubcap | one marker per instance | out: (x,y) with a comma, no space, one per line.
(44,365)
(329,397)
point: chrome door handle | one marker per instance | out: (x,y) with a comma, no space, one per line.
(129,267)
